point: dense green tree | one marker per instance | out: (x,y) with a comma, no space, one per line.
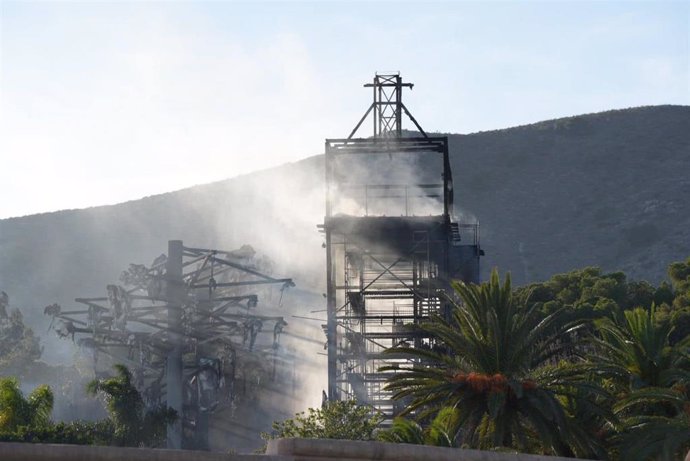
(27,419)
(17,410)
(664,294)
(639,294)
(590,289)
(655,425)
(134,425)
(679,273)
(493,361)
(635,352)
(590,292)
(650,377)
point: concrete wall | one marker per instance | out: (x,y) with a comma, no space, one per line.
(50,452)
(346,450)
(278,450)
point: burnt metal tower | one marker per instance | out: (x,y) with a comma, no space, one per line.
(191,330)
(391,244)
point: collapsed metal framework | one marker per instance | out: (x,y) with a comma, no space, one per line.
(391,245)
(183,326)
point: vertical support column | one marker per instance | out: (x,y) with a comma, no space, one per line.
(447,183)
(201,438)
(331,326)
(331,322)
(174,295)
(398,105)
(328,160)
(416,299)
(377,107)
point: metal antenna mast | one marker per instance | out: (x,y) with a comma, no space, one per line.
(387,106)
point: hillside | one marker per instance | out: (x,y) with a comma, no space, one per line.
(608,189)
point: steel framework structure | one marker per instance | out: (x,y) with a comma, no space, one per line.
(183,326)
(391,245)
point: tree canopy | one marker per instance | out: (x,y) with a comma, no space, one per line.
(585,364)
(19,346)
(17,410)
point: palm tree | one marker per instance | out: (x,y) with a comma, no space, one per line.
(651,379)
(494,361)
(134,424)
(16,410)
(655,425)
(440,432)
(635,351)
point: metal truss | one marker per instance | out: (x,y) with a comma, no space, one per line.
(387,106)
(183,325)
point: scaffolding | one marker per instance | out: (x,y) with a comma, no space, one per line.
(391,245)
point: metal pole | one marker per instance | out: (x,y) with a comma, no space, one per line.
(331,322)
(398,102)
(331,326)
(447,184)
(174,294)
(377,108)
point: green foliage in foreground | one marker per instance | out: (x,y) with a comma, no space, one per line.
(586,364)
(129,423)
(650,378)
(494,363)
(17,410)
(441,432)
(73,433)
(133,424)
(27,419)
(617,367)
(334,420)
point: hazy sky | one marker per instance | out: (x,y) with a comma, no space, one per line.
(103,102)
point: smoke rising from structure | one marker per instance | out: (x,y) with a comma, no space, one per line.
(275,211)
(399,184)
(266,219)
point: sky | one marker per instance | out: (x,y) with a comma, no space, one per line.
(104,102)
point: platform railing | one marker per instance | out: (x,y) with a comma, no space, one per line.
(396,199)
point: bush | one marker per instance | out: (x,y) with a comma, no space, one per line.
(74,433)
(335,420)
